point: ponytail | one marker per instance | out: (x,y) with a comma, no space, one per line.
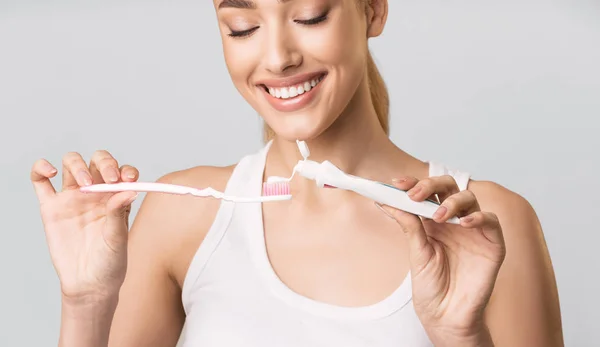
(379,98)
(379,94)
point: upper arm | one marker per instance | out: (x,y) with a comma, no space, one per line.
(524,307)
(166,231)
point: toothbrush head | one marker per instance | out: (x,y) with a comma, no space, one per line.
(276,188)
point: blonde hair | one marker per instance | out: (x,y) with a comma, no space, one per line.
(378,90)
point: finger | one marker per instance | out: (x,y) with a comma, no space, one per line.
(75,171)
(412,226)
(129,173)
(457,205)
(105,166)
(443,186)
(117,218)
(405,183)
(120,203)
(95,172)
(486,221)
(41,172)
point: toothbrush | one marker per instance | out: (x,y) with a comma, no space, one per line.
(327,175)
(271,191)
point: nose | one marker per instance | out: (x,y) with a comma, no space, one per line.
(281,52)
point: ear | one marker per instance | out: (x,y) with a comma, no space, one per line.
(377,11)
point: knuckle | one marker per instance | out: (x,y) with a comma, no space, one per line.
(492,217)
(38,164)
(483,216)
(72,159)
(102,155)
(452,204)
(426,184)
(107,162)
(469,194)
(450,182)
(447,178)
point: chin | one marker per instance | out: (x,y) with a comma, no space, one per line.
(302,128)
(303,116)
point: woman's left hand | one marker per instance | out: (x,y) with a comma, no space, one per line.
(453,267)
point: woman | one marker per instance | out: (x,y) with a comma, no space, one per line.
(328,268)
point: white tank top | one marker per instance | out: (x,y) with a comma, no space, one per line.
(232,296)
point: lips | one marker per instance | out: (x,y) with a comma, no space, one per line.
(293,93)
(294,90)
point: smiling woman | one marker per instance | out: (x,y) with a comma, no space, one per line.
(326,268)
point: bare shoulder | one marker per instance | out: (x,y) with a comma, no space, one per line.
(496,198)
(163,239)
(524,309)
(179,223)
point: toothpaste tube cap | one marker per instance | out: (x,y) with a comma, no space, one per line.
(304,151)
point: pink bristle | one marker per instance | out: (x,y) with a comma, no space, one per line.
(276,188)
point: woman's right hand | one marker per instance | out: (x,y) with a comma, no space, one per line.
(86,232)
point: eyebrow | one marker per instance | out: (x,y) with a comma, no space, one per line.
(243,4)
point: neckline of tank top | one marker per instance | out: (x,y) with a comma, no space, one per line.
(394,302)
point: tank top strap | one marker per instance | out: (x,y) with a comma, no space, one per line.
(462,178)
(245,173)
(240,180)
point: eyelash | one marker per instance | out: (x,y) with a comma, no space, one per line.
(312,21)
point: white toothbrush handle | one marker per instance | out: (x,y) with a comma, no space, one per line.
(176,189)
(136,187)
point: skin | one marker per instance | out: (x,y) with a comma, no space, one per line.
(487,282)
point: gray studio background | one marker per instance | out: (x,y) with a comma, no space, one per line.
(507,90)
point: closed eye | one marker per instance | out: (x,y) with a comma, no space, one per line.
(242,33)
(313,21)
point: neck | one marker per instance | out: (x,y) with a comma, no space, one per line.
(356,143)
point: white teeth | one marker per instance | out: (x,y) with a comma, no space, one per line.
(307,86)
(290,92)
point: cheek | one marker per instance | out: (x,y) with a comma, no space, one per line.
(336,45)
(240,59)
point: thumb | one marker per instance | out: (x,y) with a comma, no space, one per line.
(118,208)
(420,248)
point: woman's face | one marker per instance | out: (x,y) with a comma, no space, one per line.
(297,62)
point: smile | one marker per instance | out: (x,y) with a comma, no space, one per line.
(293,93)
(294,90)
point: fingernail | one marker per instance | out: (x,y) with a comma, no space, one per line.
(113,175)
(131,175)
(467,219)
(379,206)
(414,191)
(398,180)
(85,178)
(51,169)
(441,212)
